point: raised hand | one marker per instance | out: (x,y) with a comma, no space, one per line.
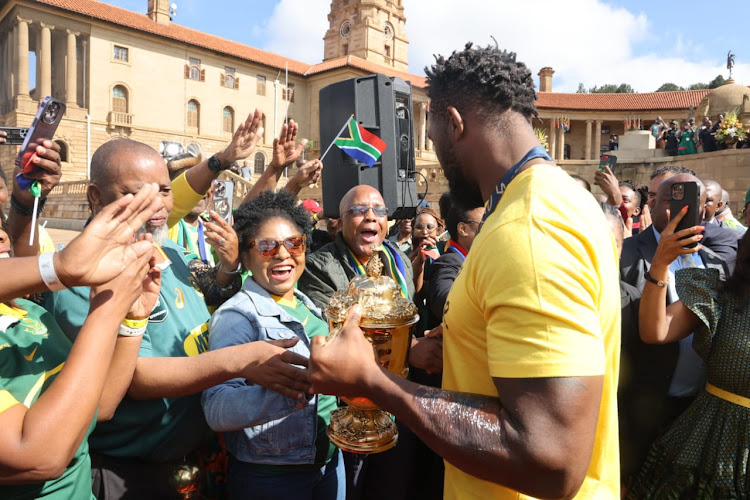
(285,147)
(306,175)
(221,236)
(245,138)
(47,157)
(672,245)
(610,186)
(134,291)
(105,248)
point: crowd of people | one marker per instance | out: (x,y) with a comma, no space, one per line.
(684,138)
(568,346)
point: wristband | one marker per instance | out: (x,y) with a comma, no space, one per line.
(22,209)
(236,271)
(135,323)
(47,271)
(126,331)
(655,281)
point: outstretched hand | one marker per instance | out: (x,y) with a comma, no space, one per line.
(306,175)
(105,248)
(272,365)
(609,184)
(223,239)
(344,363)
(285,147)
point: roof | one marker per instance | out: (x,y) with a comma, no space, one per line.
(369,66)
(682,99)
(141,22)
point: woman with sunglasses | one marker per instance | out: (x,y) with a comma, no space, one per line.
(427,227)
(278,445)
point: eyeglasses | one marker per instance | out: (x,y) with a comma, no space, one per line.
(422,227)
(359,210)
(295,245)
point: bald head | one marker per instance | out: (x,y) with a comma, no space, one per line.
(106,162)
(362,232)
(713,198)
(664,195)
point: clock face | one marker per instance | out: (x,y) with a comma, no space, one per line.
(346,27)
(388,30)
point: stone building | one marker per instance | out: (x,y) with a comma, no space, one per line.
(129,74)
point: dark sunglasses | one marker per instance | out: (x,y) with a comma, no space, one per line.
(360,210)
(295,245)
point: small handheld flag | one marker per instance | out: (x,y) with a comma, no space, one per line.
(361,145)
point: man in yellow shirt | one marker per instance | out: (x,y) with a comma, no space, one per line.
(532,323)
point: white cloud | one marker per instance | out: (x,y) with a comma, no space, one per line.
(583,40)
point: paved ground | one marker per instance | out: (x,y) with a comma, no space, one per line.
(61,236)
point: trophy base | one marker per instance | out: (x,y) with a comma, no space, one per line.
(362,431)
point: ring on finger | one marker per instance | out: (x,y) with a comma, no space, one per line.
(223,240)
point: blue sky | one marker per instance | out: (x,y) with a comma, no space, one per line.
(643,43)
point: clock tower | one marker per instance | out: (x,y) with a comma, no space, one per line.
(370,29)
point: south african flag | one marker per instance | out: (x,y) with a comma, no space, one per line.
(361,144)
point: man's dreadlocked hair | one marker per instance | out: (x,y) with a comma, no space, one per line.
(487,80)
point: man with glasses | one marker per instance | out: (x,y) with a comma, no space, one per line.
(363,228)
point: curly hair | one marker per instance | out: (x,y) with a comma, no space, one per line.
(485,79)
(251,215)
(670,169)
(430,211)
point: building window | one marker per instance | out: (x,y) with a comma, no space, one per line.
(260,163)
(119,99)
(261,88)
(388,54)
(120,53)
(228,79)
(287,94)
(193,70)
(63,151)
(228,125)
(345,49)
(193,114)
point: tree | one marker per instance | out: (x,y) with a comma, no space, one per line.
(698,86)
(581,88)
(669,87)
(716,82)
(611,88)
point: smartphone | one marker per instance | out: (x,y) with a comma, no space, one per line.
(44,126)
(14,135)
(686,194)
(223,196)
(607,161)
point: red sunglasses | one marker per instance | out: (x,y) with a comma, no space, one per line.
(295,245)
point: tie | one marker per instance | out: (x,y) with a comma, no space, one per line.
(687,261)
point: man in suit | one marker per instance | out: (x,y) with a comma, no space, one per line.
(665,377)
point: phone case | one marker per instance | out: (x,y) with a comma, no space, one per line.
(685,194)
(44,126)
(223,197)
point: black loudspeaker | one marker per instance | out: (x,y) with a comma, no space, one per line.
(383,106)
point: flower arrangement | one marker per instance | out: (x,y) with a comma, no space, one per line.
(541,136)
(731,130)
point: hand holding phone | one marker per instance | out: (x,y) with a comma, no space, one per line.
(44,126)
(685,194)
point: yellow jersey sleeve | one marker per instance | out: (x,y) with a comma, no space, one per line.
(7,400)
(185,198)
(540,304)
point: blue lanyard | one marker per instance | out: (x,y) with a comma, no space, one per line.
(535,152)
(202,243)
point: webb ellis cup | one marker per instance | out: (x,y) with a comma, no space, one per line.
(387,322)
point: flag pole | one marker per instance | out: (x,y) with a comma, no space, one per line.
(336,137)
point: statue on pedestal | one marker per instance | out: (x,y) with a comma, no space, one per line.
(730,62)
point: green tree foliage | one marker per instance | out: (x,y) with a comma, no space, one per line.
(716,82)
(581,88)
(612,88)
(698,86)
(669,87)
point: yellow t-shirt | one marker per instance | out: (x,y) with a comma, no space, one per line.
(538,296)
(185,199)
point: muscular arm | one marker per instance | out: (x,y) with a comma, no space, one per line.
(538,428)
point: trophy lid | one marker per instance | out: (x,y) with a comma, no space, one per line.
(380,298)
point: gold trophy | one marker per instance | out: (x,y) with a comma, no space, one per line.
(387,322)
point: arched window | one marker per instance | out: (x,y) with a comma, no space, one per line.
(193,113)
(119,99)
(228,125)
(63,151)
(260,163)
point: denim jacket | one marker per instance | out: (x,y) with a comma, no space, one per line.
(260,425)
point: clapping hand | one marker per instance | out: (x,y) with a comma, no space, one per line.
(285,147)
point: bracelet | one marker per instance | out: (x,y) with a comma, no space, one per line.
(655,281)
(126,331)
(47,271)
(135,323)
(220,267)
(22,209)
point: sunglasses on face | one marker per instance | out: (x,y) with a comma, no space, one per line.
(295,245)
(422,227)
(359,210)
